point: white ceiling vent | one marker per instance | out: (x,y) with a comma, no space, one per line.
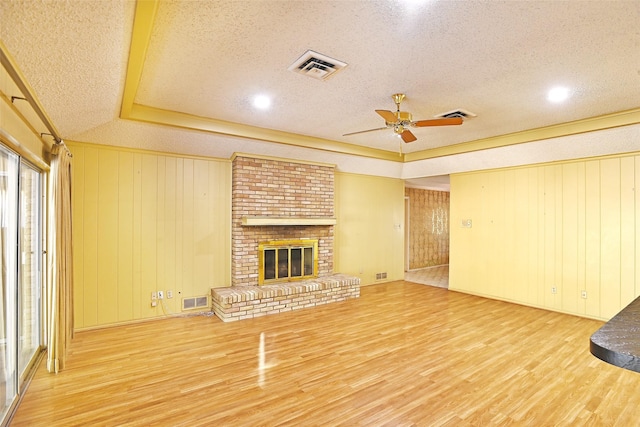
(316,65)
(464,114)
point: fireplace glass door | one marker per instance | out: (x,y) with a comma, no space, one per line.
(287,260)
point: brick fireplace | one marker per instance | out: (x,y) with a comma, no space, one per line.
(279,200)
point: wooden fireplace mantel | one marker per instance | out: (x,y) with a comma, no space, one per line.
(271,220)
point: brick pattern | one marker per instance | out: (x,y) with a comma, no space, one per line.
(428,227)
(267,187)
(246,302)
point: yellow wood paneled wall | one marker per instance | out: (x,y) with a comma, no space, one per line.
(146,222)
(572,226)
(369,235)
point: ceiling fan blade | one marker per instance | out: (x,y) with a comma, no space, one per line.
(407,136)
(439,122)
(388,116)
(364,131)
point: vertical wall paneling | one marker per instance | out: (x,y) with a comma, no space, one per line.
(516,278)
(169,253)
(569,245)
(558,238)
(509,288)
(457,205)
(124,251)
(107,237)
(496,222)
(161,227)
(532,225)
(479,233)
(77,213)
(148,229)
(201,221)
(581,236)
(543,285)
(611,236)
(139,300)
(628,217)
(178,287)
(143,222)
(187,227)
(90,232)
(578,220)
(550,178)
(592,238)
(220,183)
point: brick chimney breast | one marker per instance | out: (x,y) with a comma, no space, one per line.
(265,187)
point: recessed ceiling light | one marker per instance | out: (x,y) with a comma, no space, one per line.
(262,102)
(558,94)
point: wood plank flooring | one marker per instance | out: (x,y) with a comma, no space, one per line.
(403,354)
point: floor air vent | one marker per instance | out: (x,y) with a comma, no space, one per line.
(316,65)
(464,114)
(195,302)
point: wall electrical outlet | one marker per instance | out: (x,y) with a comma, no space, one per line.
(154,295)
(160,295)
(583,294)
(554,290)
(169,294)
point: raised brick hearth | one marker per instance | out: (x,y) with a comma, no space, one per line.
(246,302)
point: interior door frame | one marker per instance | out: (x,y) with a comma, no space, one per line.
(407,232)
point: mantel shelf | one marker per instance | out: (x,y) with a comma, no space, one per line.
(270,220)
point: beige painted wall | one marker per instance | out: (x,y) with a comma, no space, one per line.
(369,235)
(146,222)
(573,226)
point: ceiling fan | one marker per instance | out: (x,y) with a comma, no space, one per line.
(400,121)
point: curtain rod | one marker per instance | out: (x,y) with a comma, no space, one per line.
(12,69)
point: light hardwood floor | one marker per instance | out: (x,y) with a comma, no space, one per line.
(402,354)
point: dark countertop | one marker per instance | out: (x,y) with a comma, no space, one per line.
(618,341)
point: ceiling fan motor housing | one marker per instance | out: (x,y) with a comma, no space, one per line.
(402,117)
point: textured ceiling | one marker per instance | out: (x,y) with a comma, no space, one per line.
(209,58)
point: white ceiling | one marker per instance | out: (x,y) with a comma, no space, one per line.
(208,59)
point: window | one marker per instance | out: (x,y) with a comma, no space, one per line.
(20,273)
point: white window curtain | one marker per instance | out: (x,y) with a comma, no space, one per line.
(60,262)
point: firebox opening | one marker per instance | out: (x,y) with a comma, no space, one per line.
(287,260)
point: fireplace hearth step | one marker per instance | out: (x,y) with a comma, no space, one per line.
(246,302)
